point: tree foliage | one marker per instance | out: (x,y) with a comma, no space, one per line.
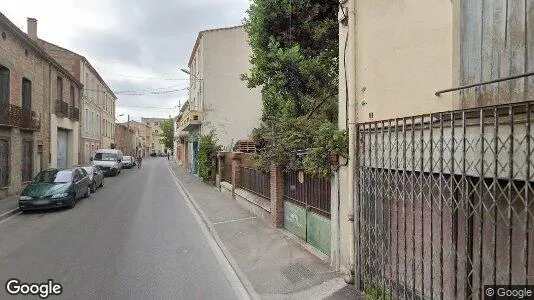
(279,142)
(207,147)
(295,62)
(294,55)
(167,135)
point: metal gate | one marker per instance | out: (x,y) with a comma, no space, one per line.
(443,203)
(307,209)
(62,143)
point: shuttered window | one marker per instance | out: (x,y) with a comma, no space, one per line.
(4,84)
(27,161)
(4,163)
(26,93)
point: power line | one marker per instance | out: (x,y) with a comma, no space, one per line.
(142,77)
(149,107)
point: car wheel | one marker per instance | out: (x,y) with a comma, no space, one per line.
(102,183)
(93,187)
(87,192)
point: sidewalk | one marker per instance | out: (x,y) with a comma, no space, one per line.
(8,206)
(265,259)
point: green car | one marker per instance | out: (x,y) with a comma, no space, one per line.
(55,188)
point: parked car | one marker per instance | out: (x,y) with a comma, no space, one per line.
(96,175)
(109,160)
(153,154)
(53,188)
(127,162)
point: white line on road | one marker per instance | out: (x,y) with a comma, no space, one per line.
(234,220)
(10,217)
(9,212)
(227,268)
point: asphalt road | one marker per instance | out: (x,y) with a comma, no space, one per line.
(135,238)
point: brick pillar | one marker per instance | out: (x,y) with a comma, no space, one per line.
(236,171)
(215,167)
(277,196)
(220,168)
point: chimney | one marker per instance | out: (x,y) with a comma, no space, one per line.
(32,28)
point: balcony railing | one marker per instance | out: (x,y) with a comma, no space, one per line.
(74,113)
(62,108)
(191,119)
(15,116)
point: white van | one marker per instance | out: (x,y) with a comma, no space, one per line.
(109,160)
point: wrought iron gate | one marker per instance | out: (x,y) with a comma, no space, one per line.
(443,203)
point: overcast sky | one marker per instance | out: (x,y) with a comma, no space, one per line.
(128,39)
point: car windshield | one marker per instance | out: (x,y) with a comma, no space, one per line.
(54,177)
(106,157)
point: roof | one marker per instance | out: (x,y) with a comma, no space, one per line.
(37,48)
(83,58)
(201,33)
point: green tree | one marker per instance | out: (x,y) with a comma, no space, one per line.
(294,56)
(167,135)
(294,60)
(207,147)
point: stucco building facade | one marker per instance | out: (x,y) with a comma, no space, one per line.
(219,100)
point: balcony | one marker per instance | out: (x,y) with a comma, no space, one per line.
(15,116)
(74,113)
(191,120)
(62,108)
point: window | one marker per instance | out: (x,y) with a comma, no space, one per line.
(59,89)
(156,131)
(4,163)
(27,159)
(156,123)
(72,96)
(26,93)
(97,124)
(86,120)
(4,84)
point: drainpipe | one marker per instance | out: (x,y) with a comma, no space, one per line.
(351,80)
(52,104)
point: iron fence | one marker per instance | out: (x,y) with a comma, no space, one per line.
(311,192)
(74,113)
(255,181)
(16,116)
(62,108)
(443,203)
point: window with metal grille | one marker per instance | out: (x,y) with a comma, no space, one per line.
(4,84)
(4,163)
(26,93)
(27,158)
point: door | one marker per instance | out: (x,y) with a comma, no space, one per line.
(62,143)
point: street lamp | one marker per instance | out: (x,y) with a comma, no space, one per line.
(186,71)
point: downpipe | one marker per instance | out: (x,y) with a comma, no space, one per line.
(352,115)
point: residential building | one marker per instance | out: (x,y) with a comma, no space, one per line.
(219,100)
(156,145)
(38,99)
(437,144)
(98,101)
(125,139)
(144,139)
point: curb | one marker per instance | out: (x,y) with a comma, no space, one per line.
(9,213)
(240,274)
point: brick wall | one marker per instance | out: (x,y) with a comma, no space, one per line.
(23,62)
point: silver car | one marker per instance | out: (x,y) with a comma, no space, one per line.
(128,162)
(96,175)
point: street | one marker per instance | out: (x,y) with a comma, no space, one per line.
(135,238)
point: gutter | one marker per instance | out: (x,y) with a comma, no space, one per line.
(352,119)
